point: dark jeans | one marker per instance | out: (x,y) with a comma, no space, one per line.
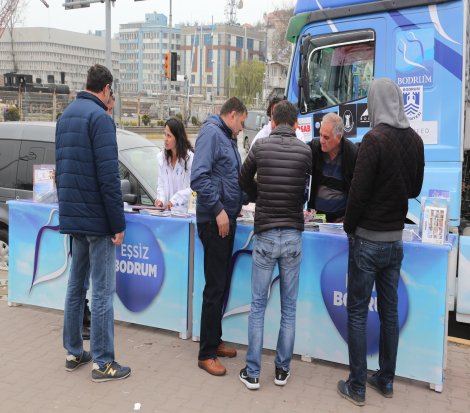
(217,258)
(369,262)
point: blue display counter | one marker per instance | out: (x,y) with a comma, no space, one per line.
(155,276)
(152,266)
(321,326)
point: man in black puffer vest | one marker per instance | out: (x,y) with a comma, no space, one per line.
(281,162)
(389,170)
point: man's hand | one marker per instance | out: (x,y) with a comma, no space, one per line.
(118,238)
(169,205)
(158,203)
(223,223)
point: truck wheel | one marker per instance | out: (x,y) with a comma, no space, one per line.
(3,249)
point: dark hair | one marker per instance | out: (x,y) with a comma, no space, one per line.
(182,142)
(231,105)
(98,77)
(285,113)
(274,101)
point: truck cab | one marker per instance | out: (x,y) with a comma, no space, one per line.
(340,46)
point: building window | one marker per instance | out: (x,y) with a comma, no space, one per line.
(194,68)
(209,79)
(239,42)
(209,55)
(194,40)
(207,40)
(250,44)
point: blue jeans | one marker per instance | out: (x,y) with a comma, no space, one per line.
(369,262)
(97,256)
(284,246)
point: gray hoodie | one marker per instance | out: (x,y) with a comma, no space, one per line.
(385,104)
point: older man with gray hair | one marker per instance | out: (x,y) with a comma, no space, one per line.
(333,161)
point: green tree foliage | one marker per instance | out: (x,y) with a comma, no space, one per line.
(146,119)
(246,81)
(12,113)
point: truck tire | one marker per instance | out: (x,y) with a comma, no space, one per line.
(3,249)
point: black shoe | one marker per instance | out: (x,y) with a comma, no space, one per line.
(385,389)
(281,376)
(344,389)
(251,383)
(72,362)
(110,371)
(85,333)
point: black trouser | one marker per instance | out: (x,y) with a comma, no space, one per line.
(217,258)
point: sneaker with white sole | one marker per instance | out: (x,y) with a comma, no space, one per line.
(72,363)
(110,371)
(251,383)
(281,376)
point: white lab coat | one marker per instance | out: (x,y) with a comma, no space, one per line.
(266,131)
(174,183)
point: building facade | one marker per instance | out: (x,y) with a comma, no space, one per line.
(53,55)
(209,51)
(142,48)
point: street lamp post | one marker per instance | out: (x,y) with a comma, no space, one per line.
(170,32)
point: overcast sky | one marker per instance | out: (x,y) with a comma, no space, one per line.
(35,14)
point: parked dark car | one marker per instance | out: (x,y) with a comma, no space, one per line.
(24,144)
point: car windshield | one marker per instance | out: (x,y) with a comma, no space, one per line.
(144,162)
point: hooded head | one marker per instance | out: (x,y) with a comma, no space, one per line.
(385,104)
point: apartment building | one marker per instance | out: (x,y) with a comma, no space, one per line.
(142,47)
(53,55)
(209,51)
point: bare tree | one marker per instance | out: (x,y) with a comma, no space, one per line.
(7,8)
(276,22)
(13,14)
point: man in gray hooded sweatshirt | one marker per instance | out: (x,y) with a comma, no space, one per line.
(389,170)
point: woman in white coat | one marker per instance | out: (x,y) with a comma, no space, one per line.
(175,163)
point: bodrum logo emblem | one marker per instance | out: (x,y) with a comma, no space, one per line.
(334,292)
(140,268)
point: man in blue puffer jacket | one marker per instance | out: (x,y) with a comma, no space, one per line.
(91,210)
(214,176)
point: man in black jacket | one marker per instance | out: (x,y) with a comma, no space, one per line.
(389,170)
(281,163)
(333,160)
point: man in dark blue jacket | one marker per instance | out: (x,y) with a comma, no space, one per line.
(91,210)
(214,176)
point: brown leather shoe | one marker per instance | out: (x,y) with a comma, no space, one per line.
(212,366)
(225,351)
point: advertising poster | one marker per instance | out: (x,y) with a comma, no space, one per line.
(152,265)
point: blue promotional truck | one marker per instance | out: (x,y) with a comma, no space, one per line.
(341,45)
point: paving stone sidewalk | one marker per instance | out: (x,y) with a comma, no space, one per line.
(165,377)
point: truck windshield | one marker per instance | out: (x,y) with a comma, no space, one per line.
(339,74)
